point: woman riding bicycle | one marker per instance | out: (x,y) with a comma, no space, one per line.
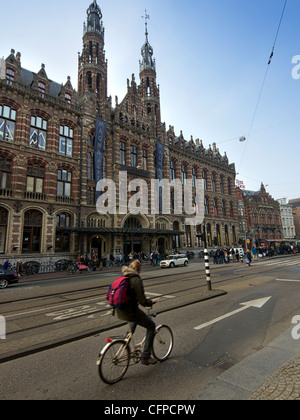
(135,316)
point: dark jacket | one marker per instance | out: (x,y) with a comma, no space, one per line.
(136,293)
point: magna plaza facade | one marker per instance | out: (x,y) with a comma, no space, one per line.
(48,162)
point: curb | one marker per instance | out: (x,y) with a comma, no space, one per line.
(246,379)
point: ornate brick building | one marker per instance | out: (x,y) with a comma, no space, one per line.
(263,224)
(296,215)
(48,162)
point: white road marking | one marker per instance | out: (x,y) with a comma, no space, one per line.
(258,303)
(288,280)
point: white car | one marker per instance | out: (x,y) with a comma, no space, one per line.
(174,261)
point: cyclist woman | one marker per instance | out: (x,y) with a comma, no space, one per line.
(133,314)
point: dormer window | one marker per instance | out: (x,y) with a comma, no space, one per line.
(41,89)
(68,98)
(10,76)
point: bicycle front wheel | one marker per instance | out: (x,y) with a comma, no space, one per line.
(163,343)
(114,362)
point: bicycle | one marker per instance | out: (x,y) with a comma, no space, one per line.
(47,267)
(31,268)
(114,359)
(76,268)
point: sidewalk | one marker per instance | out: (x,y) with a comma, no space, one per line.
(272,373)
(284,384)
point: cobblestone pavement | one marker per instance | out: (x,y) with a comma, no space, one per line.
(284,384)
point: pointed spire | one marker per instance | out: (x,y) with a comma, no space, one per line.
(147,63)
(94,22)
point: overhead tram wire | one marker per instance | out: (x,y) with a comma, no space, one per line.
(263,84)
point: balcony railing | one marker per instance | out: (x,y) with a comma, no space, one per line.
(35,196)
(5,192)
(64,200)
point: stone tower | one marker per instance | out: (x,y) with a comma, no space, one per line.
(150,89)
(92,65)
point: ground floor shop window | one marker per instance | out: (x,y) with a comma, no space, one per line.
(3,227)
(32,231)
(62,240)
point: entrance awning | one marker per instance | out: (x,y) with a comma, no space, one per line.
(121,231)
(281,240)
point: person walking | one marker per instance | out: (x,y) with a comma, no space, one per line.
(6,265)
(111,260)
(19,268)
(133,314)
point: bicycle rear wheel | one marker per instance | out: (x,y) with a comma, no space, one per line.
(114,362)
(163,343)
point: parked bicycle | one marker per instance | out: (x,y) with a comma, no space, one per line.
(31,268)
(63,265)
(47,267)
(78,268)
(115,357)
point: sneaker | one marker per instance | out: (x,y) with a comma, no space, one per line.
(148,361)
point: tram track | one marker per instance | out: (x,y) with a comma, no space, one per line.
(149,282)
(57,316)
(66,301)
(81,306)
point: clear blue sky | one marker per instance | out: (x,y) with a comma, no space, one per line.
(211,58)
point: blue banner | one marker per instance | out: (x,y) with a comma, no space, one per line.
(160,149)
(99,147)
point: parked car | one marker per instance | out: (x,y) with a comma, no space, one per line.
(7,278)
(174,261)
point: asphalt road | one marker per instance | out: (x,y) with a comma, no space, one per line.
(228,330)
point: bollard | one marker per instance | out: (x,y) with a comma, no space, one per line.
(2,328)
(207,269)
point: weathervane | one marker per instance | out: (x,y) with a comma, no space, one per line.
(146,17)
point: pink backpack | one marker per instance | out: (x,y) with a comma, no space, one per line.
(117,294)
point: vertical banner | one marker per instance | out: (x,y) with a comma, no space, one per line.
(99,146)
(160,149)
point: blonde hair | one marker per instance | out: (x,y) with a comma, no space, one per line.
(136,266)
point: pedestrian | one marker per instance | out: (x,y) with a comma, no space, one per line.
(151,259)
(159,258)
(19,268)
(254,253)
(237,255)
(226,258)
(248,257)
(111,260)
(6,265)
(133,314)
